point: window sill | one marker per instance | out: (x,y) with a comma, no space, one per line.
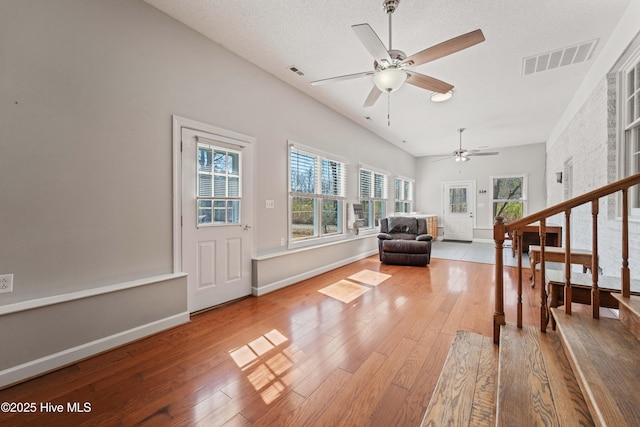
(317,245)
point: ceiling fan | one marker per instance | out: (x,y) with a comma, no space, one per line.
(462,155)
(391,66)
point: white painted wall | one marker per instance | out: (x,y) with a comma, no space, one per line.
(86,138)
(88,91)
(431,171)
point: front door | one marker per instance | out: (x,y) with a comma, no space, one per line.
(217,214)
(458,202)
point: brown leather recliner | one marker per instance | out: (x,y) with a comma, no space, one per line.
(405,241)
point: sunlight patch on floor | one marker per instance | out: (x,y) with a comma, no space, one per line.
(370,277)
(344,290)
(265,370)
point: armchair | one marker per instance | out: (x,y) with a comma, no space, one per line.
(404,240)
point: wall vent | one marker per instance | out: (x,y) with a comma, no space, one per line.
(296,70)
(558,58)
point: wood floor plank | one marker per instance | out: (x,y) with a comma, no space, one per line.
(483,411)
(571,407)
(452,399)
(524,393)
(316,403)
(188,375)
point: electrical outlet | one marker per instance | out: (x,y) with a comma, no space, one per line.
(282,241)
(6,283)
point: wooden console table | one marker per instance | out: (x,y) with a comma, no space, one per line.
(530,236)
(432,223)
(555,254)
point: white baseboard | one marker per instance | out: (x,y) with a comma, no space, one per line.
(57,360)
(265,289)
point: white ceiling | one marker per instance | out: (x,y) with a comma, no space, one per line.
(493,100)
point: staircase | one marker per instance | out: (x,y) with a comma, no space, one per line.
(585,371)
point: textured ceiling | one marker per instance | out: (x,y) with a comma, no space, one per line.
(493,100)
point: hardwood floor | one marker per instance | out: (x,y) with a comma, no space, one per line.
(290,358)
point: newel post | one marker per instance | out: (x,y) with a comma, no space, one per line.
(498,313)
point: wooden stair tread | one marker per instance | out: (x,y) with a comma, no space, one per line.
(603,354)
(465,392)
(536,385)
(632,304)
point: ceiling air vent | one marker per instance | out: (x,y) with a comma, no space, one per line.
(296,70)
(558,58)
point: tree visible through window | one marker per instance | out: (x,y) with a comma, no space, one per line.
(317,191)
(508,195)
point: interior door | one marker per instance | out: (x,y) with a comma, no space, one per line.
(217,239)
(458,203)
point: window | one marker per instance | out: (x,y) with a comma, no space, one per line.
(373,196)
(508,196)
(219,185)
(317,193)
(631,122)
(404,195)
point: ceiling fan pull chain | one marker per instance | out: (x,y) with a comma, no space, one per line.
(388,108)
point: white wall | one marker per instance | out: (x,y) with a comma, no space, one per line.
(431,171)
(88,91)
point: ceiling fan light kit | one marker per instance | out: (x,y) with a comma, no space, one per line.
(441,97)
(390,79)
(391,67)
(462,155)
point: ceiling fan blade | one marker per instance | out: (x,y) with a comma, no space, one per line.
(373,97)
(483,153)
(444,158)
(445,48)
(372,42)
(342,78)
(429,83)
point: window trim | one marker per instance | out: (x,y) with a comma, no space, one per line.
(219,146)
(318,198)
(626,130)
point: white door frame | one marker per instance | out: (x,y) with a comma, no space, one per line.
(472,197)
(178,124)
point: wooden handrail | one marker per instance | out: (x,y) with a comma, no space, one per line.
(500,230)
(576,201)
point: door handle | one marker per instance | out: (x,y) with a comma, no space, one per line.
(246,227)
(470,214)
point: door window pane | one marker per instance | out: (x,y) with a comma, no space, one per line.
(204,212)
(458,200)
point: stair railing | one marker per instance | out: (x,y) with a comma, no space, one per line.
(514,229)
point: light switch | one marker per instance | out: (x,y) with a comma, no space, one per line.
(270,204)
